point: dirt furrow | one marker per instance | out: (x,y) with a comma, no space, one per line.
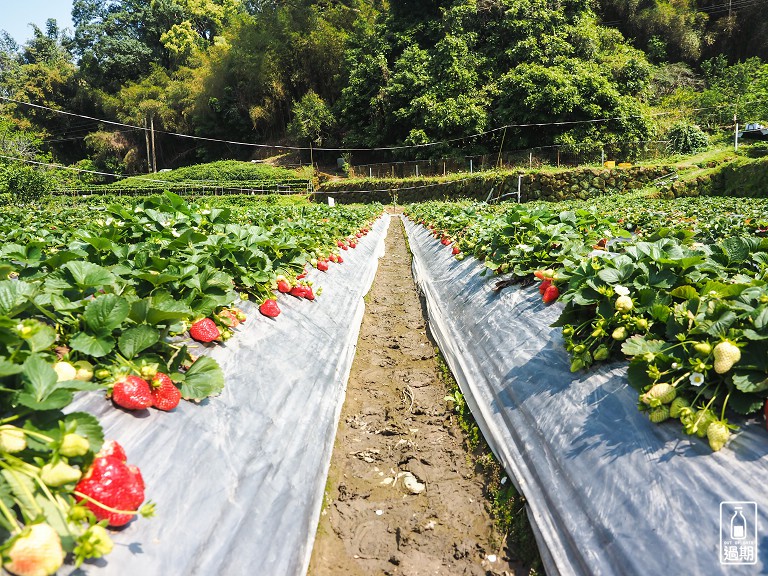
(403,497)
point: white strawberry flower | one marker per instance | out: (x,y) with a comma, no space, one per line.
(696,379)
(621,290)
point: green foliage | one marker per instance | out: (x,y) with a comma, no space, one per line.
(25,183)
(312,119)
(686,138)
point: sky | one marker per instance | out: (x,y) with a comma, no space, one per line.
(15,15)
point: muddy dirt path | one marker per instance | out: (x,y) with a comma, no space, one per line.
(402,496)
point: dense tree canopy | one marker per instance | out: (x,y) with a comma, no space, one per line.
(375,73)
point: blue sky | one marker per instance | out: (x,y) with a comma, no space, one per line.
(16,14)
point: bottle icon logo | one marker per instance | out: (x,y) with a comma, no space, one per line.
(738,525)
(738,533)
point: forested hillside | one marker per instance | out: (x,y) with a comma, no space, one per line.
(370,74)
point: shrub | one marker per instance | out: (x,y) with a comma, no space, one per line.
(686,138)
(25,183)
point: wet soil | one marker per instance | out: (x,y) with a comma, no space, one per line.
(403,495)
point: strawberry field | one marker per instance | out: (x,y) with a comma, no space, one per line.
(611,347)
(134,335)
(188,361)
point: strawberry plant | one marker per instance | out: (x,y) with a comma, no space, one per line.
(677,288)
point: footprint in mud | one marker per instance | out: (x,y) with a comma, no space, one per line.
(373,539)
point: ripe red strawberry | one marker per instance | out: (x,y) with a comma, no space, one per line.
(322,265)
(131,392)
(550,294)
(270,308)
(205,330)
(308,293)
(455,250)
(300,291)
(228,318)
(112,449)
(333,258)
(283,286)
(165,395)
(445,241)
(544,285)
(352,244)
(115,484)
(339,259)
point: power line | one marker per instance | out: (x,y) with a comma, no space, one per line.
(351,149)
(73,169)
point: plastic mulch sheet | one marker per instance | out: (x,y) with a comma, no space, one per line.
(239,479)
(608,491)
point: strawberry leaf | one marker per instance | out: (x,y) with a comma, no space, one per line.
(93,345)
(88,274)
(23,489)
(14,296)
(39,377)
(106,312)
(9,368)
(750,381)
(137,339)
(204,378)
(42,339)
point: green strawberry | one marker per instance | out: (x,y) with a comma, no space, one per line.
(717,434)
(601,353)
(659,394)
(74,445)
(703,348)
(699,422)
(620,333)
(726,355)
(659,414)
(59,474)
(676,408)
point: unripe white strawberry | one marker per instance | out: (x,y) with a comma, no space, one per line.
(726,355)
(84,371)
(65,371)
(12,440)
(623,304)
(718,435)
(36,552)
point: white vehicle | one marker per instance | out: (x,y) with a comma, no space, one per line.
(754,131)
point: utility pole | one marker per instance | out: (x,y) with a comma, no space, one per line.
(149,154)
(311,157)
(154,155)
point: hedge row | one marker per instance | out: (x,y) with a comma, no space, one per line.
(537,185)
(742,178)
